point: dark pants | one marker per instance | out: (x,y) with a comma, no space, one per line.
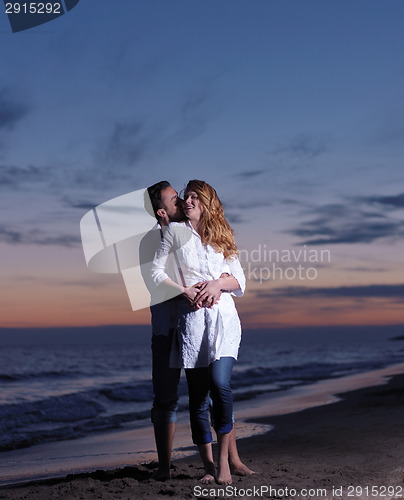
(214,379)
(165,381)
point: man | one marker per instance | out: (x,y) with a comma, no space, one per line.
(167,208)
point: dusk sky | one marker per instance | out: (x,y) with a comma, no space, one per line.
(292,110)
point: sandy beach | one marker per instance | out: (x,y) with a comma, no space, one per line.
(345,444)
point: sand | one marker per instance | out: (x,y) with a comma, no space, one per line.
(349,447)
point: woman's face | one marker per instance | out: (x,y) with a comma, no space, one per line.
(192,206)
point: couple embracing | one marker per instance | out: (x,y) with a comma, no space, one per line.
(198,329)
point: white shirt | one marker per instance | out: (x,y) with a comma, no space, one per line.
(204,335)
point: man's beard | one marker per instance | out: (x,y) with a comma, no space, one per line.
(180,217)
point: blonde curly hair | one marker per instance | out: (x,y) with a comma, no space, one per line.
(213,226)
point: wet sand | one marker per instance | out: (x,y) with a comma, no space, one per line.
(352,440)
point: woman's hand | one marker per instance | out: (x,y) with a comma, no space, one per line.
(209,293)
(190,293)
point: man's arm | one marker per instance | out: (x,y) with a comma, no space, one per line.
(159,269)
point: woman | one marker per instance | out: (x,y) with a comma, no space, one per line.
(209,330)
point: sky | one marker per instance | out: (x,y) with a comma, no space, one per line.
(292,110)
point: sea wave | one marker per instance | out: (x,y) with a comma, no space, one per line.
(52,374)
(52,394)
(62,417)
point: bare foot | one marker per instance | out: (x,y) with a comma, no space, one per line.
(207,479)
(239,469)
(161,475)
(209,476)
(224,474)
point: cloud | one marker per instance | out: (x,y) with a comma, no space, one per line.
(12,176)
(361,291)
(356,232)
(126,144)
(36,237)
(194,102)
(349,223)
(245,176)
(363,269)
(123,154)
(81,204)
(190,119)
(246,205)
(12,110)
(303,146)
(396,201)
(234,218)
(98,281)
(116,160)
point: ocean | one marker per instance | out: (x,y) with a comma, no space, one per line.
(65,384)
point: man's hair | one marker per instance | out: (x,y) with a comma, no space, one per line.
(155,195)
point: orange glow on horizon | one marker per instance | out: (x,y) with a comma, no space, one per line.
(43,310)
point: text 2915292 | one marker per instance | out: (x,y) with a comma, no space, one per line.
(33,8)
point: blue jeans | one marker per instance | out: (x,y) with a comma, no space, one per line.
(165,381)
(214,379)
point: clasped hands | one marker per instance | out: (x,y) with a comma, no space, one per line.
(204,294)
